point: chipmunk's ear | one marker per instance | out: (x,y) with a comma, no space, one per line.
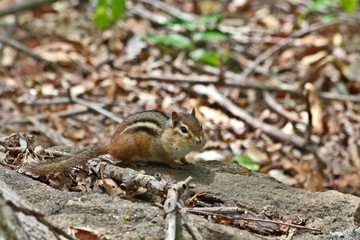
(193,112)
(175,119)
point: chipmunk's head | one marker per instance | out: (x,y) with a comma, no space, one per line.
(184,135)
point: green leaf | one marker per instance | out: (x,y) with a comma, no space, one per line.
(101,3)
(102,17)
(210,57)
(247,162)
(214,17)
(349,5)
(210,35)
(189,25)
(118,7)
(175,40)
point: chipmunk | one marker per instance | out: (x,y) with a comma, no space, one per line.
(147,136)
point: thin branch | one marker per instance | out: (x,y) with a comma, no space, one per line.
(173,193)
(42,118)
(273,132)
(232,82)
(21,47)
(45,101)
(50,133)
(287,41)
(24,6)
(189,224)
(201,211)
(173,11)
(94,107)
(272,104)
(308,110)
(9,30)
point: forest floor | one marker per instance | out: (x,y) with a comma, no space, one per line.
(274,93)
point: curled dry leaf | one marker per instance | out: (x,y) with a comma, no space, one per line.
(110,186)
(85,233)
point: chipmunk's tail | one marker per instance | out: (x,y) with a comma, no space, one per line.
(64,163)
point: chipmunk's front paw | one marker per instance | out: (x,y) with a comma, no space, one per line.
(185,163)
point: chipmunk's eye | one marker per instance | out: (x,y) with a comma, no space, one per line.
(183,129)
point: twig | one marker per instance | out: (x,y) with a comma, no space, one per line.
(309,122)
(270,130)
(9,30)
(131,178)
(201,211)
(272,104)
(189,224)
(21,47)
(42,118)
(57,138)
(45,101)
(24,6)
(231,81)
(169,9)
(287,41)
(222,210)
(173,193)
(94,107)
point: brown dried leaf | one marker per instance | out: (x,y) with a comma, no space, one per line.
(85,233)
(110,186)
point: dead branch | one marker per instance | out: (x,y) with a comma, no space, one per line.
(290,39)
(19,46)
(275,133)
(24,6)
(189,224)
(42,118)
(131,178)
(273,105)
(57,138)
(44,101)
(9,30)
(221,210)
(232,80)
(173,193)
(169,9)
(94,107)
(309,114)
(214,212)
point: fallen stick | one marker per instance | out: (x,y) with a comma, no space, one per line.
(189,224)
(209,211)
(233,80)
(275,133)
(173,193)
(94,107)
(42,118)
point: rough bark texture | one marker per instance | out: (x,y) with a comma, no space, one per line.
(117,218)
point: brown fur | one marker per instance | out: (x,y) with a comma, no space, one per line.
(64,163)
(148,135)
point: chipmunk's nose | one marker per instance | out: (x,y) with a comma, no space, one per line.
(198,141)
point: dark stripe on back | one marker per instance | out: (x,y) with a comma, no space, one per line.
(143,129)
(144,120)
(158,111)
